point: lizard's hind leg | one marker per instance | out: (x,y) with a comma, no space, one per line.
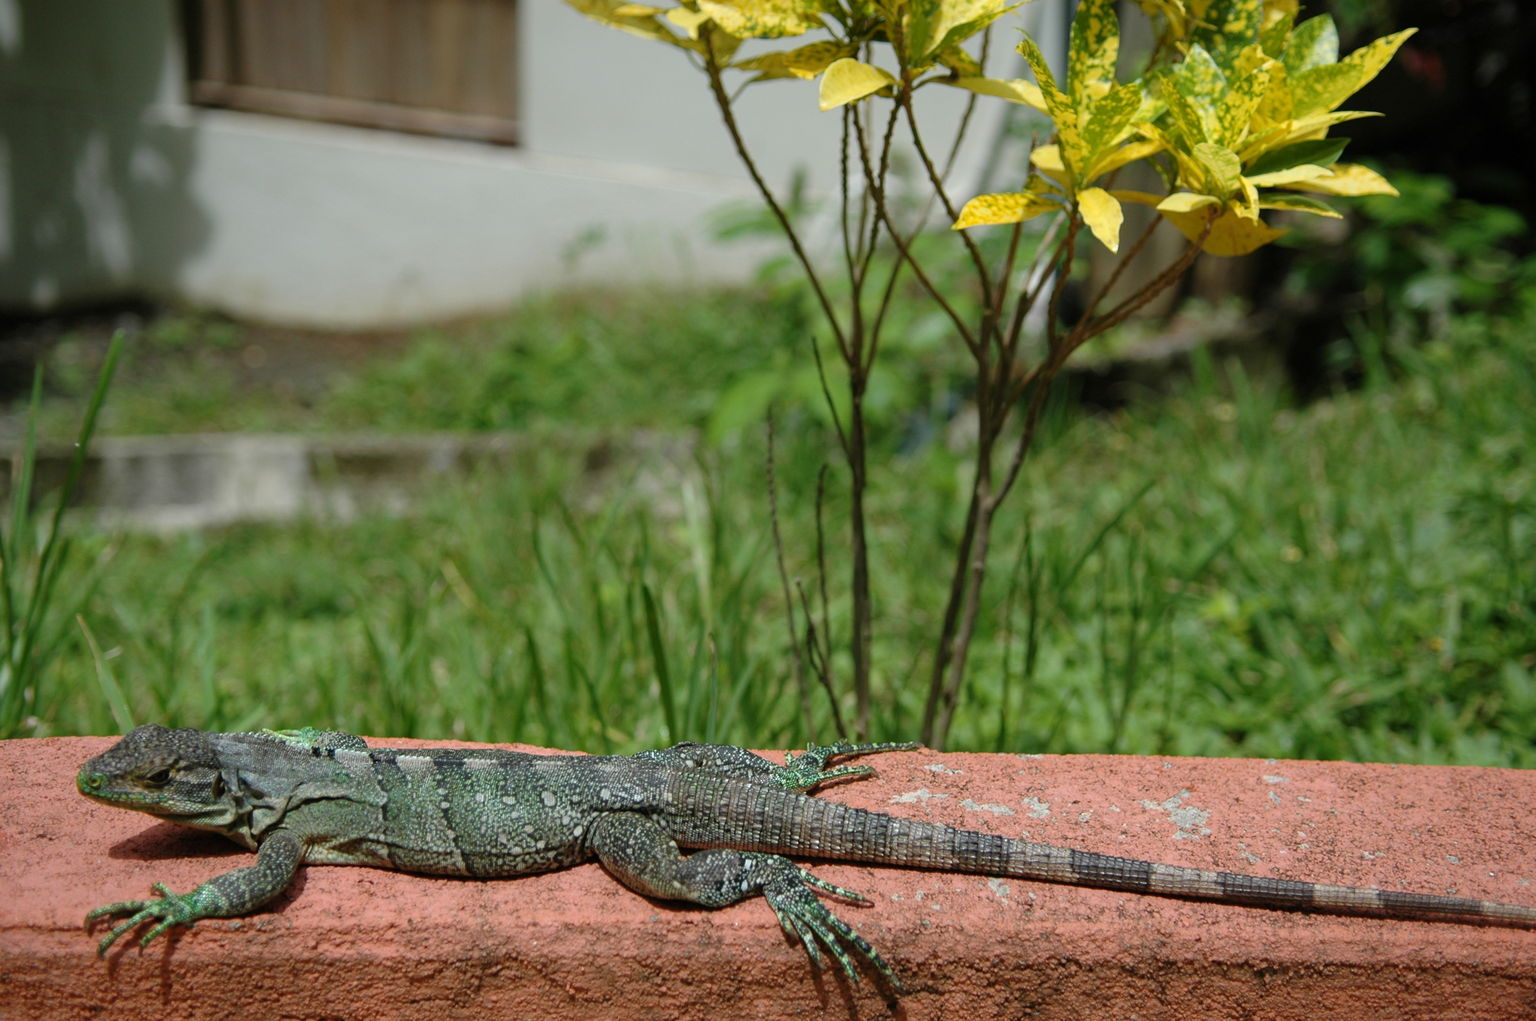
(809,769)
(800,772)
(640,854)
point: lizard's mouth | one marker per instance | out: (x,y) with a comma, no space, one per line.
(91,784)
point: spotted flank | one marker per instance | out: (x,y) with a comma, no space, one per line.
(706,824)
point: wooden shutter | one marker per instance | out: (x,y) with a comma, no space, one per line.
(436,67)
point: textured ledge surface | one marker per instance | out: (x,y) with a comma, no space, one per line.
(362,943)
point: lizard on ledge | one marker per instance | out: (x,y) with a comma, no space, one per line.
(325,797)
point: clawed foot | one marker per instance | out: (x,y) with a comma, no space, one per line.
(808,769)
(170,908)
(807,919)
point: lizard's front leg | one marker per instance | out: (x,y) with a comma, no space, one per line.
(640,854)
(234,893)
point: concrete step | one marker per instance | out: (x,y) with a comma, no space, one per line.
(170,483)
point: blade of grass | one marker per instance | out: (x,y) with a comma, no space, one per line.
(659,658)
(110,690)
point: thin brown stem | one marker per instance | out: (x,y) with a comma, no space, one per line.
(937,181)
(816,651)
(1125,260)
(1160,283)
(826,393)
(970,574)
(728,116)
(904,249)
(798,662)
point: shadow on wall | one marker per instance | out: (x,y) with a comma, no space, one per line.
(93,176)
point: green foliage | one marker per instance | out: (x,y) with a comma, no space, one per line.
(572,358)
(1231,102)
(1425,256)
(41,590)
(1233,82)
(605,359)
(1220,574)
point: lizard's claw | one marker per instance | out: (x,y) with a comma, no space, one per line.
(809,769)
(807,919)
(170,908)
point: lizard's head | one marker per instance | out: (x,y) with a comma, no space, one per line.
(165,772)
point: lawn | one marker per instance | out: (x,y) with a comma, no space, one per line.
(1216,572)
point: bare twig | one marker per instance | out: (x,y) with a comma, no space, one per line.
(818,656)
(728,116)
(798,662)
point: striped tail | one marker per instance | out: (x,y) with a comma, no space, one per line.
(796,825)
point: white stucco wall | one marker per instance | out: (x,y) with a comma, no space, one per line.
(111,184)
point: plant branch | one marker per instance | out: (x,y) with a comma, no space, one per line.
(904,248)
(937,181)
(728,116)
(798,661)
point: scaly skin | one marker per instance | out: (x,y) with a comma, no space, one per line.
(324,797)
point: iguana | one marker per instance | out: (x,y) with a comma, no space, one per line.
(325,797)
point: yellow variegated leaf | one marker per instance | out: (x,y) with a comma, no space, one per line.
(1276,106)
(1290,175)
(1062,110)
(1117,158)
(1275,28)
(1015,90)
(1200,80)
(1349,179)
(1223,169)
(1235,114)
(1171,11)
(848,80)
(1227,26)
(960,63)
(802,62)
(1031,52)
(1246,204)
(1185,120)
(1093,48)
(1109,121)
(1325,87)
(687,19)
(938,25)
(1007,207)
(1372,57)
(1300,204)
(1322,88)
(1047,160)
(1144,198)
(1299,130)
(1230,234)
(1190,172)
(1185,202)
(647,25)
(1103,215)
(1313,43)
(762,19)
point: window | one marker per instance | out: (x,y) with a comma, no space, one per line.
(435,67)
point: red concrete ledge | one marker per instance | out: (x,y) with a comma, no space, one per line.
(363,943)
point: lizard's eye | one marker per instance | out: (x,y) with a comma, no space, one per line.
(159,778)
(216,786)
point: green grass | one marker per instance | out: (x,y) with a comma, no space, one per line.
(603,360)
(1218,573)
